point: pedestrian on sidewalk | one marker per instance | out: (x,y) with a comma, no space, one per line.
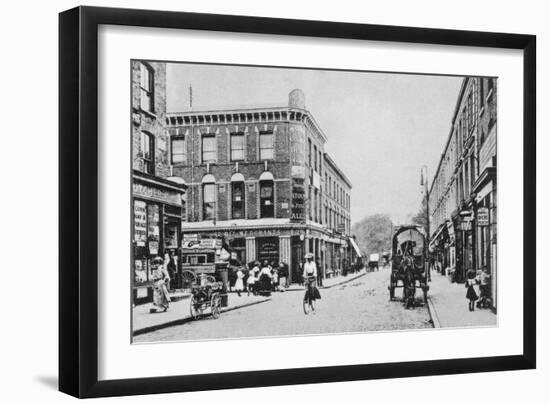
(251,280)
(239,283)
(265,279)
(319,273)
(161,278)
(283,276)
(471,294)
(275,279)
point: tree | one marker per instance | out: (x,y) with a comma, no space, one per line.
(421,218)
(373,233)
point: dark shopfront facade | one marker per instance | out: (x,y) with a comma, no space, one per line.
(280,241)
(157,210)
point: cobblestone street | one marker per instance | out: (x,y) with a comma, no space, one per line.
(357,306)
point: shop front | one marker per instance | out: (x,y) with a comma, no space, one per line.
(486,227)
(465,247)
(157,210)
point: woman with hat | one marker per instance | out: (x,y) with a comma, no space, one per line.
(310,275)
(161,299)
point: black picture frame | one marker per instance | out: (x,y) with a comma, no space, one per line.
(78,200)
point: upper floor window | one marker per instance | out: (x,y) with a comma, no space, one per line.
(315,158)
(209,201)
(178,150)
(237,146)
(266,199)
(209,149)
(266,145)
(237,200)
(146,86)
(147,152)
(309,152)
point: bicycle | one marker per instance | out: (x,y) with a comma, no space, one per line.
(309,296)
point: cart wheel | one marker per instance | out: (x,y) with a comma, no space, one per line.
(215,304)
(188,278)
(195,308)
(309,303)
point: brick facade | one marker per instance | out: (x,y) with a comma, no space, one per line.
(298,160)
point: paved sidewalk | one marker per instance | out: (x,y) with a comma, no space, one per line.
(449,307)
(179,312)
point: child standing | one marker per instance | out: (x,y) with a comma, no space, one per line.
(471,294)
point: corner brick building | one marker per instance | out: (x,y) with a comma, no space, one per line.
(261,179)
(156,196)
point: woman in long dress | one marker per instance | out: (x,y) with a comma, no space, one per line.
(239,284)
(265,279)
(161,298)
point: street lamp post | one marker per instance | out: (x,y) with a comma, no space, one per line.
(424,181)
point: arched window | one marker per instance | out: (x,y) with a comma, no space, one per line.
(208,197)
(267,205)
(237,196)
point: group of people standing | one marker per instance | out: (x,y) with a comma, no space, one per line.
(262,278)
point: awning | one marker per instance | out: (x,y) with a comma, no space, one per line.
(355,247)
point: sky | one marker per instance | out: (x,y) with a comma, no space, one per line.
(381,127)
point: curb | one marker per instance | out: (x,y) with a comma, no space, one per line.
(433,314)
(345,281)
(331,286)
(188,319)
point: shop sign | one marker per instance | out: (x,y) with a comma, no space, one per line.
(341,228)
(483,217)
(140,223)
(298,192)
(297,151)
(142,190)
(466,225)
(190,237)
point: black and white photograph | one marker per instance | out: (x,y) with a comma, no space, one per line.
(284,201)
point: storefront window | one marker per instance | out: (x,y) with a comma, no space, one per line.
(153,228)
(171,235)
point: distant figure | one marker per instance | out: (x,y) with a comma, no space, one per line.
(239,284)
(283,276)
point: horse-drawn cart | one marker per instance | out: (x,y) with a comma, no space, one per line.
(409,269)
